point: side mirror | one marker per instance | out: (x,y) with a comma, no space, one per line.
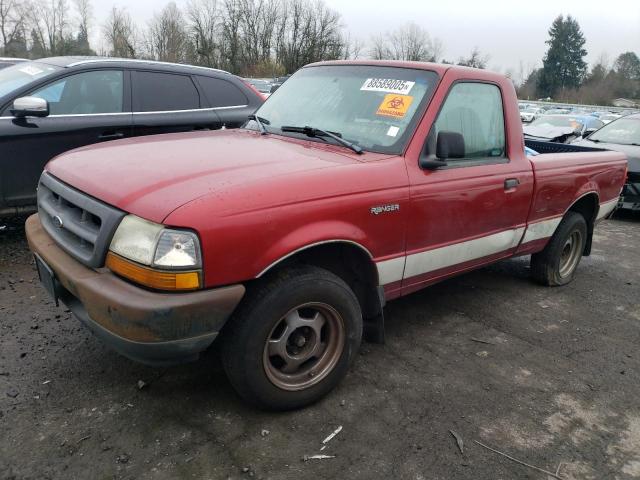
(450,145)
(30,107)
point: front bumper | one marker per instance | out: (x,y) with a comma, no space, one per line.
(148,327)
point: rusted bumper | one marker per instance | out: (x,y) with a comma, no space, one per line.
(149,327)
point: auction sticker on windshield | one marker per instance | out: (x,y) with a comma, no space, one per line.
(395,105)
(387,85)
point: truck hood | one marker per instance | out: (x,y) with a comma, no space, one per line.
(548,133)
(153,176)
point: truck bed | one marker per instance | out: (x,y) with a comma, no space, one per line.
(555,147)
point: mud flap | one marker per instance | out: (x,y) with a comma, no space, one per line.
(373,325)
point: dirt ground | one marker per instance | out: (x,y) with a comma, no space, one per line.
(548,376)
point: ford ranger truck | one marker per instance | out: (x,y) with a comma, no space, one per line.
(356,183)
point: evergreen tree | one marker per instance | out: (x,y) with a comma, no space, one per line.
(628,66)
(563,65)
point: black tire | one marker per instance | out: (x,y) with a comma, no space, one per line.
(267,306)
(556,265)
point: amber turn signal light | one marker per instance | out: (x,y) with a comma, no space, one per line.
(149,277)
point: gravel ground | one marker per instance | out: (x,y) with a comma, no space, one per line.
(548,376)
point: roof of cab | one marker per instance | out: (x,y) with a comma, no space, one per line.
(436,67)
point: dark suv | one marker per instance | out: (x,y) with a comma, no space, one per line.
(53,105)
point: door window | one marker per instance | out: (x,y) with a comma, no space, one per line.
(475,111)
(85,93)
(222,93)
(164,92)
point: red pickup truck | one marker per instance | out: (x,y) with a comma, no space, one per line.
(354,184)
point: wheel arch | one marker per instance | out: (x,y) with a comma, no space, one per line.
(587,205)
(354,264)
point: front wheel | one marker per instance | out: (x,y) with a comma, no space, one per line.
(556,265)
(292,339)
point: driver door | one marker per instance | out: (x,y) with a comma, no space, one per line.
(473,210)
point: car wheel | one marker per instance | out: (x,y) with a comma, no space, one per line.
(556,265)
(292,339)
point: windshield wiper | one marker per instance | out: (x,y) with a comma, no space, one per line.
(316,132)
(261,123)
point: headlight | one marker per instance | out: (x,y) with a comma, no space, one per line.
(155,256)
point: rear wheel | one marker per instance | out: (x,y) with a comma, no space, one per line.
(557,264)
(292,339)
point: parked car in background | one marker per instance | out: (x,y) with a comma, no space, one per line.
(561,128)
(610,117)
(529,114)
(8,61)
(262,86)
(53,105)
(356,183)
(558,111)
(622,135)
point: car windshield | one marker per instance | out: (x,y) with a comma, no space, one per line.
(549,121)
(624,131)
(19,75)
(374,107)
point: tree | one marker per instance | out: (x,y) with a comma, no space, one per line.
(563,64)
(12,23)
(528,88)
(409,42)
(628,66)
(84,10)
(205,30)
(307,32)
(475,60)
(167,37)
(119,31)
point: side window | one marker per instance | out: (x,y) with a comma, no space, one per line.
(163,92)
(475,111)
(222,93)
(85,93)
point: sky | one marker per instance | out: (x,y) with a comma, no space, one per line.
(510,32)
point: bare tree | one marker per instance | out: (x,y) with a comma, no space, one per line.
(119,31)
(167,37)
(50,18)
(85,12)
(12,21)
(307,32)
(379,48)
(205,28)
(409,42)
(231,36)
(475,60)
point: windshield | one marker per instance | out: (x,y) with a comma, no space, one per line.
(374,107)
(548,121)
(624,131)
(19,75)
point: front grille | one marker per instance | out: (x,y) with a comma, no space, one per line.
(80,224)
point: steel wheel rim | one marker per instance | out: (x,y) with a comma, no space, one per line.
(571,253)
(304,346)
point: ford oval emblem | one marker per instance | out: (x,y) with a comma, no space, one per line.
(57,222)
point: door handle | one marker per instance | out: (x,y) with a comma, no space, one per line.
(511,183)
(111,135)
